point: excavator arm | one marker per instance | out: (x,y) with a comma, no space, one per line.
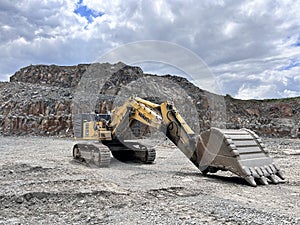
(134,109)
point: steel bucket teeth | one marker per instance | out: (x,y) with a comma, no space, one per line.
(263,180)
(239,151)
(251,181)
(280,175)
(273,179)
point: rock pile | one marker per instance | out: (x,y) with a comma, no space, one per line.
(40,99)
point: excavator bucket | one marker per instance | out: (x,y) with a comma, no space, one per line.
(239,151)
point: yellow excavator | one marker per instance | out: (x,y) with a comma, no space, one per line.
(239,151)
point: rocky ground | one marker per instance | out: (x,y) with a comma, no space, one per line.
(41,184)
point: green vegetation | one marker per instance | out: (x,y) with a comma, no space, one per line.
(271,100)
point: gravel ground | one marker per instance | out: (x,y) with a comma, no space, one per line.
(41,184)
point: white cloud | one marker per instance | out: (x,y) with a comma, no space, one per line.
(255,92)
(266,84)
(289,93)
(245,43)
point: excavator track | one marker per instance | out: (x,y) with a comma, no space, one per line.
(132,151)
(147,156)
(92,153)
(239,151)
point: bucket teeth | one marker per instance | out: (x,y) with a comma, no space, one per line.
(280,175)
(239,151)
(265,172)
(273,168)
(273,179)
(251,181)
(254,173)
(269,170)
(263,180)
(259,172)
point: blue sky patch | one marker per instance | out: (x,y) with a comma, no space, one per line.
(297,44)
(84,11)
(293,63)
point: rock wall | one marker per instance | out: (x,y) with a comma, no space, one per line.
(39,100)
(59,76)
(35,109)
(271,118)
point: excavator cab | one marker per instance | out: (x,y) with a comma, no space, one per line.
(99,116)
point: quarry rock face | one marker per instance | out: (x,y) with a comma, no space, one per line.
(271,118)
(40,100)
(59,76)
(34,109)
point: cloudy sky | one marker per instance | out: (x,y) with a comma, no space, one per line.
(252,47)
